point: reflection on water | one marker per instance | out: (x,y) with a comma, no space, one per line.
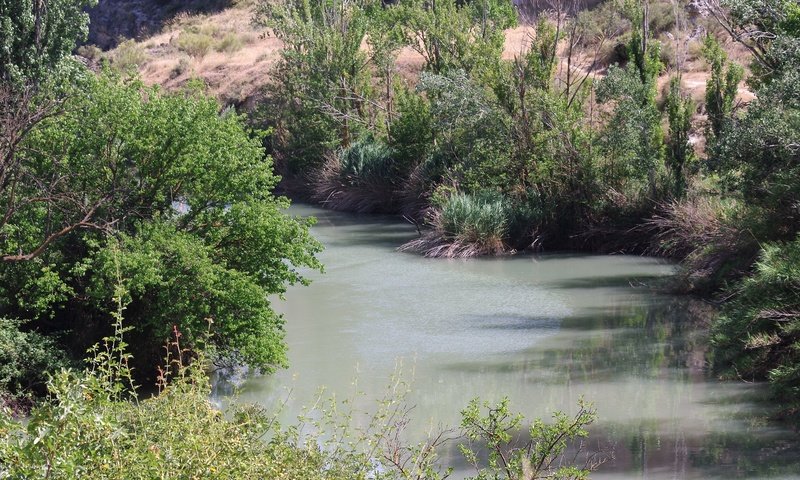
(542,330)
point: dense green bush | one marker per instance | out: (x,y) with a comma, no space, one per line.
(26,357)
(169,193)
(758,334)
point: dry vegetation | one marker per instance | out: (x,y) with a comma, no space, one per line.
(234,58)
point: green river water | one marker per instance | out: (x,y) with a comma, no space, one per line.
(542,330)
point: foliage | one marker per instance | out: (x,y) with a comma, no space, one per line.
(680,152)
(759,157)
(758,335)
(128,57)
(768,29)
(453,35)
(472,132)
(722,87)
(182,192)
(36,38)
(92,428)
(25,359)
(538,456)
(322,89)
(411,131)
(633,141)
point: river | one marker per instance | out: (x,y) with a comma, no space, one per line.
(543,330)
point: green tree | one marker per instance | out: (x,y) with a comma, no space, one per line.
(768,29)
(457,35)
(166,192)
(632,139)
(321,92)
(38,36)
(722,87)
(680,152)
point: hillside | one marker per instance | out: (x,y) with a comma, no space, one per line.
(218,43)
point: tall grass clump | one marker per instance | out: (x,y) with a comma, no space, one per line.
(713,239)
(362,178)
(466,225)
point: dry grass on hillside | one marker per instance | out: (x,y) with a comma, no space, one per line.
(234,58)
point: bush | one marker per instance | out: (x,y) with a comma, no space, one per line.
(758,334)
(25,360)
(230,43)
(661,17)
(128,56)
(466,225)
(475,218)
(194,44)
(90,52)
(362,178)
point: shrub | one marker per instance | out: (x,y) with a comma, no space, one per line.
(362,178)
(466,225)
(90,52)
(758,335)
(230,43)
(194,44)
(541,455)
(128,56)
(26,357)
(475,218)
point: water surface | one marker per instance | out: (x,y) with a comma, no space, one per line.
(542,330)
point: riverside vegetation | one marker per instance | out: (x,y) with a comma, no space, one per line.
(117,194)
(490,155)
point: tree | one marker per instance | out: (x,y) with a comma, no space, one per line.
(722,87)
(165,192)
(769,29)
(633,139)
(456,35)
(37,37)
(680,151)
(321,93)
